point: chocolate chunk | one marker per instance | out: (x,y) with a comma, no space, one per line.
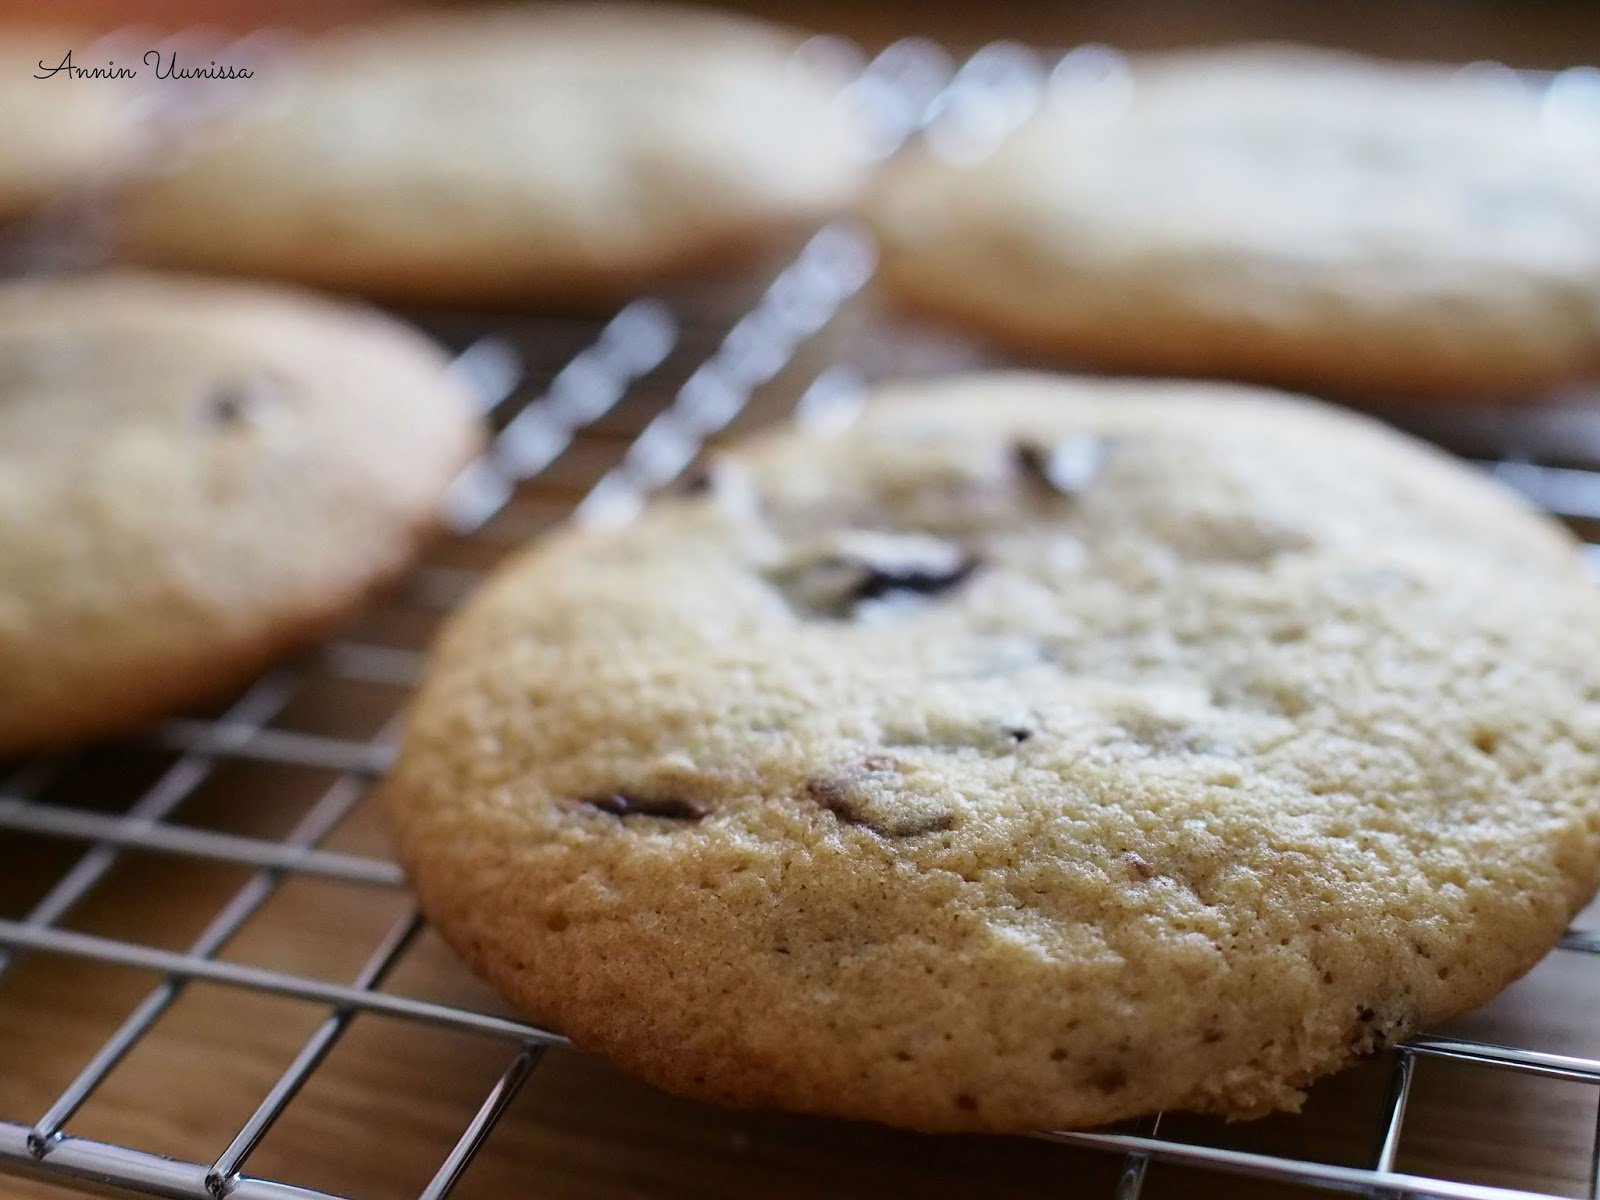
(833,795)
(1031,460)
(847,570)
(846,798)
(1068,467)
(231,402)
(1110,1079)
(698,479)
(626,804)
(879,580)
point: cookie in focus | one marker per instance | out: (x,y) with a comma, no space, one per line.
(1038,753)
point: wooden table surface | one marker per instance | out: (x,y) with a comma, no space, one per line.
(381,1112)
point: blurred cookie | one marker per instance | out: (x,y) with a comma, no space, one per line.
(58,133)
(194,478)
(558,153)
(1273,213)
(1038,753)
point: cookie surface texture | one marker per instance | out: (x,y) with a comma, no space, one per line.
(194,478)
(1271,213)
(552,153)
(1036,753)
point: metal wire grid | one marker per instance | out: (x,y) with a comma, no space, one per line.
(912,86)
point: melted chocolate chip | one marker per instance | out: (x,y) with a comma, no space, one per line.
(843,798)
(833,795)
(846,571)
(1068,467)
(626,804)
(878,581)
(1110,1079)
(1030,459)
(231,402)
(697,480)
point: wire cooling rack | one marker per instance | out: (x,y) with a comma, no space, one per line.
(144,1050)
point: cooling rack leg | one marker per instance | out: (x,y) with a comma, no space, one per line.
(493,1107)
(1395,1108)
(220,1178)
(1394,1116)
(1130,1184)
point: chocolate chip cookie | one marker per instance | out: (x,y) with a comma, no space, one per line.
(1037,753)
(194,478)
(1271,213)
(556,153)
